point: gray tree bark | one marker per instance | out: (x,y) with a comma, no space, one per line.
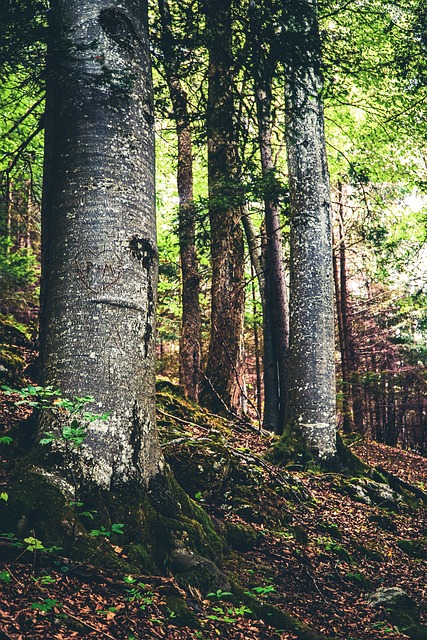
(312,393)
(99,242)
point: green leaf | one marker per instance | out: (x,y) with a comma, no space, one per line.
(117,528)
(33,544)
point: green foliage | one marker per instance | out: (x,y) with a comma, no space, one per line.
(140,593)
(70,414)
(219,594)
(44,580)
(47,606)
(18,276)
(106,533)
(262,590)
(33,544)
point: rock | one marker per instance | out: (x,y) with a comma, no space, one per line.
(11,334)
(373,493)
(11,366)
(190,568)
(201,468)
(391,598)
(240,537)
(401,610)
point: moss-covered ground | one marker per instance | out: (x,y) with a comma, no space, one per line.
(278,552)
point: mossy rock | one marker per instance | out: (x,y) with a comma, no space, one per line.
(13,334)
(11,365)
(369,552)
(240,537)
(359,580)
(200,468)
(300,534)
(401,610)
(414,548)
(331,529)
(371,493)
(191,568)
(179,612)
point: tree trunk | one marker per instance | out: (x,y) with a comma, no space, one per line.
(312,403)
(263,61)
(99,242)
(190,342)
(276,298)
(221,389)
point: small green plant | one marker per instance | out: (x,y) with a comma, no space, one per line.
(383,626)
(106,533)
(4,496)
(261,591)
(44,580)
(6,440)
(106,612)
(140,593)
(228,615)
(48,605)
(69,413)
(219,594)
(33,544)
(5,576)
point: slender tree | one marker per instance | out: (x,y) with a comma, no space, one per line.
(190,342)
(221,388)
(264,60)
(312,405)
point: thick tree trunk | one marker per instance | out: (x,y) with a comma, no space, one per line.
(99,243)
(222,385)
(312,404)
(190,342)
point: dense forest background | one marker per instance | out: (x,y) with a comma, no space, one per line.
(374,100)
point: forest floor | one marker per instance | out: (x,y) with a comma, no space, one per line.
(318,547)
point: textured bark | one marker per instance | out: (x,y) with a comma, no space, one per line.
(190,342)
(99,243)
(222,386)
(312,405)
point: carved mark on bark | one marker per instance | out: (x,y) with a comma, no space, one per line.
(119,28)
(98,271)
